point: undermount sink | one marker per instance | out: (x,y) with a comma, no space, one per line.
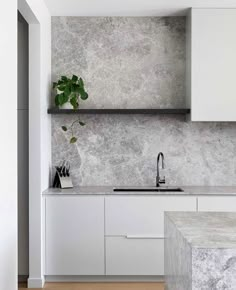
(159,180)
(155,189)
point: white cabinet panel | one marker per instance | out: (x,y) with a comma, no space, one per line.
(74,235)
(139,256)
(139,215)
(217,203)
(211,70)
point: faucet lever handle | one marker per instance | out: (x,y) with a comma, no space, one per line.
(162,180)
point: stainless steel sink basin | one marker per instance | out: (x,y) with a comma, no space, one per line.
(146,189)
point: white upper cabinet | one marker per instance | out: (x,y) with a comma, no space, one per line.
(211,64)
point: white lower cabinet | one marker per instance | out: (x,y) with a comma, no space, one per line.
(134,256)
(126,237)
(74,235)
(142,215)
(134,229)
(217,203)
(129,228)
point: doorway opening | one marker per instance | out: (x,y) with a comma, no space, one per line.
(23,148)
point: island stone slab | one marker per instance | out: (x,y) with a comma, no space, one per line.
(200,250)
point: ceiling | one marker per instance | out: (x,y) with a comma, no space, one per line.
(130,7)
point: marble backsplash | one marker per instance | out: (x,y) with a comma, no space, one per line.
(122,150)
(126,62)
(135,62)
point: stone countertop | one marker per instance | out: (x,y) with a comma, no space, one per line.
(206,230)
(108,190)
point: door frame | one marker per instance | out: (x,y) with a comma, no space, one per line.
(36,277)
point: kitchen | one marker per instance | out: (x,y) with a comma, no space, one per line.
(143,143)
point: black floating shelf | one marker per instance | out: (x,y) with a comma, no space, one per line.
(57,111)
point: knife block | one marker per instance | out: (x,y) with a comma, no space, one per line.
(62,181)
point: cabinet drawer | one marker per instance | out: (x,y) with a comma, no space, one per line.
(217,203)
(139,215)
(134,256)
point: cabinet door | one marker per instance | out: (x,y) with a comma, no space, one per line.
(74,235)
(213,62)
(217,203)
(134,256)
(140,215)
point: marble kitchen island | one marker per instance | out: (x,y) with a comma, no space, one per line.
(200,250)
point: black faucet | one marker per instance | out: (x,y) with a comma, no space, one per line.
(160,180)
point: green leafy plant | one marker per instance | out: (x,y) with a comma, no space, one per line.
(69,90)
(73,138)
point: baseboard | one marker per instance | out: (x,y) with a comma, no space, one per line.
(36,282)
(75,278)
(23,278)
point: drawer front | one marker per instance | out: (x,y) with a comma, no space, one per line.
(217,203)
(139,215)
(134,256)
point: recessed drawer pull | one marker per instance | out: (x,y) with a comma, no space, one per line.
(144,237)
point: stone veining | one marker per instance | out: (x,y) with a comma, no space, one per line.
(198,252)
(122,150)
(135,62)
(126,62)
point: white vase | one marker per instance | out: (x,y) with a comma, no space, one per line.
(66,106)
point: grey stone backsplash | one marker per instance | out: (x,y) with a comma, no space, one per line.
(126,62)
(135,62)
(122,150)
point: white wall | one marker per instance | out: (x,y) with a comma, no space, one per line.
(38,17)
(8,146)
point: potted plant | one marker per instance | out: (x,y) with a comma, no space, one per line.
(69,90)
